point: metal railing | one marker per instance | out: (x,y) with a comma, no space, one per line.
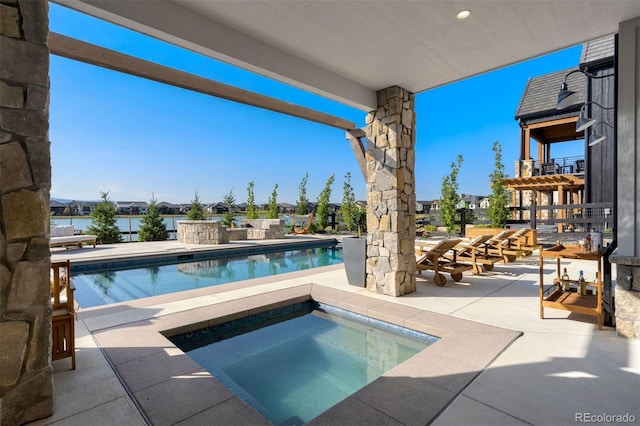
(572,217)
(577,217)
(559,166)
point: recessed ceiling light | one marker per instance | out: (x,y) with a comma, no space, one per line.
(463,14)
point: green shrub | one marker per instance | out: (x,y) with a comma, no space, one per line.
(273,204)
(152,227)
(103,221)
(228,200)
(196,211)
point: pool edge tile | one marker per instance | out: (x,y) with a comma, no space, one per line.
(392,312)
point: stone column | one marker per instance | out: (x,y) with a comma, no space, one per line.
(26,382)
(391,200)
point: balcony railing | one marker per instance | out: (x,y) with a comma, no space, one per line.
(559,166)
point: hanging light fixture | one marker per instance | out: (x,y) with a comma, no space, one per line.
(597,138)
(566,97)
(584,121)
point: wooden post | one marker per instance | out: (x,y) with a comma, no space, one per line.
(561,212)
(532,214)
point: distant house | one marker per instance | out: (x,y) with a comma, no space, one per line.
(84,208)
(435,205)
(286,208)
(217,208)
(334,207)
(423,207)
(472,201)
(168,208)
(132,207)
(71,208)
(484,204)
(57,208)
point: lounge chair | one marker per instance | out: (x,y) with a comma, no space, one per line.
(435,259)
(502,245)
(66,236)
(520,241)
(476,252)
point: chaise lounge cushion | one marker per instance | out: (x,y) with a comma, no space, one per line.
(62,231)
(63,236)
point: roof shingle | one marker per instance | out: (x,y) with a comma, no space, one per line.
(598,50)
(541,94)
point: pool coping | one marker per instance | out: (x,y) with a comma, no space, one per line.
(170,388)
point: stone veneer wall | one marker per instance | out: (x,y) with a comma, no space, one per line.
(262,229)
(202,232)
(26,384)
(391,199)
(627,296)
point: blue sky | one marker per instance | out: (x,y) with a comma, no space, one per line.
(133,137)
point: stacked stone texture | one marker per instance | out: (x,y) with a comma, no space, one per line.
(202,232)
(26,386)
(391,200)
(628,298)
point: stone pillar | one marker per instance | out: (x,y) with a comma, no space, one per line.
(627,255)
(26,382)
(391,200)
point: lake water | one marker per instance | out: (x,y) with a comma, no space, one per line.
(125,224)
(130,225)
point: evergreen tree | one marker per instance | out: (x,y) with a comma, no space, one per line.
(449,197)
(252,213)
(302,206)
(196,211)
(152,227)
(349,209)
(499,198)
(103,221)
(273,204)
(229,199)
(322,211)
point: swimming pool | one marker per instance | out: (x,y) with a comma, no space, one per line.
(294,363)
(129,281)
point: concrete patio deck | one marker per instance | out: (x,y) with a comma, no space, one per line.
(559,369)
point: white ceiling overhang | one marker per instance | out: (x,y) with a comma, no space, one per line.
(348,50)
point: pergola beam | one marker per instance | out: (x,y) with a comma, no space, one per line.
(95,55)
(354,136)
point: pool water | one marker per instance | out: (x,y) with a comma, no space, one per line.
(119,285)
(292,371)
